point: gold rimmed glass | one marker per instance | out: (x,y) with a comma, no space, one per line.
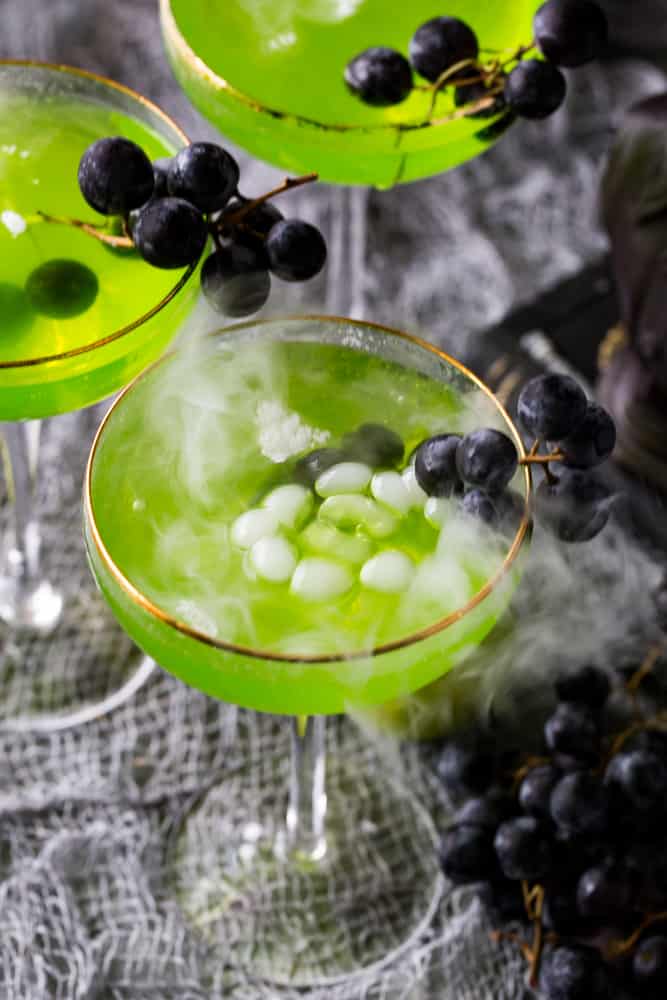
(270,77)
(277,89)
(295,867)
(80,320)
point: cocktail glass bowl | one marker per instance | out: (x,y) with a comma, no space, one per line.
(270,77)
(331,879)
(80,320)
(66,362)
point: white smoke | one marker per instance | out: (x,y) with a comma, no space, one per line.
(591,603)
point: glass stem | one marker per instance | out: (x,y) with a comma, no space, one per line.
(348,236)
(22,455)
(26,598)
(307,806)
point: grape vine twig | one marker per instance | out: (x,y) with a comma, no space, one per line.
(533,900)
(646,667)
(287,185)
(118,242)
(124,241)
(520,773)
(490,74)
(534,458)
(617,949)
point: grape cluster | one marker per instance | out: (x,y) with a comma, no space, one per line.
(574,505)
(445,52)
(479,467)
(569,845)
(475,468)
(171,207)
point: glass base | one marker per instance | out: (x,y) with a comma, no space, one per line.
(288,919)
(63,658)
(38,607)
(77,671)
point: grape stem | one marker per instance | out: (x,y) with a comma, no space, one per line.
(482,76)
(125,241)
(533,900)
(646,667)
(526,767)
(490,74)
(513,938)
(287,185)
(445,77)
(522,51)
(617,949)
(530,459)
(466,110)
(118,242)
(534,458)
(658,721)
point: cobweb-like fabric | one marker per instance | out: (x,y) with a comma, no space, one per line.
(86,815)
(83,908)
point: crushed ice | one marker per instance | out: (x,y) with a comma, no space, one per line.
(281,432)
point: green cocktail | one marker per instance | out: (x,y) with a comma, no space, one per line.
(79,318)
(222,562)
(270,76)
(202,452)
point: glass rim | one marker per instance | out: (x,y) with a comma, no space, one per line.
(186,54)
(523,533)
(84,74)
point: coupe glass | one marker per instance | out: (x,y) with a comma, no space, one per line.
(320,881)
(270,77)
(80,320)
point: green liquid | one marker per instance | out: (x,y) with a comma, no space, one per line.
(61,290)
(203,439)
(290,57)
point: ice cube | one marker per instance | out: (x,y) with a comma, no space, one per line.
(252,525)
(352,510)
(346,477)
(290,504)
(282,433)
(317,579)
(436,511)
(390,489)
(326,539)
(417,495)
(390,572)
(441,581)
(273,558)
